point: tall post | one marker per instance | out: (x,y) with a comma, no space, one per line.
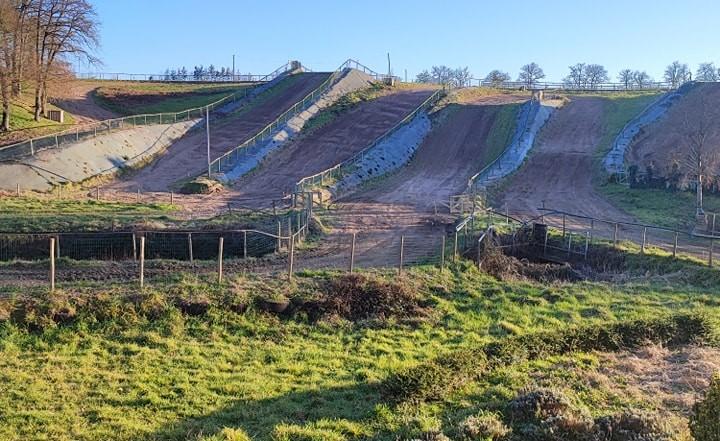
(142,262)
(712,230)
(352,253)
(402,254)
(17,190)
(245,244)
(587,243)
(220,259)
(455,247)
(675,245)
(134,240)
(615,235)
(564,230)
(207,131)
(547,233)
(710,255)
(291,256)
(644,240)
(190,247)
(97,193)
(279,234)
(442,254)
(52,264)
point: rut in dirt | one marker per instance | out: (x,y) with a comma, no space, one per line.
(188,156)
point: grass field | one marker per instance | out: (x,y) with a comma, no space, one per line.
(134,366)
(23,125)
(620,108)
(139,98)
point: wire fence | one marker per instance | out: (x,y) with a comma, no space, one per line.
(568,87)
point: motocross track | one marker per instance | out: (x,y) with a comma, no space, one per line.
(665,142)
(559,171)
(188,156)
(327,146)
(76,98)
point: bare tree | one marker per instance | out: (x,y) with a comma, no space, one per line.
(641,79)
(442,75)
(530,74)
(702,160)
(677,73)
(576,77)
(62,28)
(424,77)
(626,77)
(497,78)
(595,74)
(706,72)
(461,76)
(8,21)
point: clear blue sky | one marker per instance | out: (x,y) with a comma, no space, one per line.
(146,36)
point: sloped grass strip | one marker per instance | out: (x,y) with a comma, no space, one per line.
(438,378)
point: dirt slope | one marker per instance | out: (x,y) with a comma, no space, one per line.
(76,97)
(559,171)
(188,156)
(665,141)
(327,146)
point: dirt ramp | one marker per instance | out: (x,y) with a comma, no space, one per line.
(452,152)
(329,145)
(188,156)
(559,171)
(665,142)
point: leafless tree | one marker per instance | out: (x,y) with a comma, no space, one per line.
(62,28)
(461,76)
(442,75)
(626,77)
(8,21)
(677,73)
(641,79)
(497,78)
(701,160)
(595,74)
(576,77)
(706,72)
(424,77)
(530,74)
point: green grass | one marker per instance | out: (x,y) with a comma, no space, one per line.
(29,214)
(620,108)
(133,99)
(665,208)
(501,133)
(23,125)
(169,376)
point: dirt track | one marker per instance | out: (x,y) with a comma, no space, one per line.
(77,98)
(329,145)
(188,156)
(559,171)
(665,141)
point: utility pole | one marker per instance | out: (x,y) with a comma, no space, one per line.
(389,71)
(207,127)
(233,71)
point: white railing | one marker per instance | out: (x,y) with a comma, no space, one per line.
(204,78)
(600,87)
(335,171)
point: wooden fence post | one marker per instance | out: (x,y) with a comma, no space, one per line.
(615,235)
(291,256)
(220,259)
(442,254)
(190,247)
(245,244)
(644,239)
(134,240)
(279,234)
(455,247)
(17,190)
(142,262)
(675,245)
(547,233)
(97,193)
(402,252)
(710,255)
(587,243)
(352,253)
(52,264)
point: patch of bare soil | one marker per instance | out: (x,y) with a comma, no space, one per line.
(76,97)
(664,143)
(672,378)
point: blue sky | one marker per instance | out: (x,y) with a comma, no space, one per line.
(141,36)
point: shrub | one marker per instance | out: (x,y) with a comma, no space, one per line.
(234,435)
(632,426)
(485,426)
(705,417)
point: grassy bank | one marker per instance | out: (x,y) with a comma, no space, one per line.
(23,125)
(100,361)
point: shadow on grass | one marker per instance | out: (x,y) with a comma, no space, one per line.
(259,418)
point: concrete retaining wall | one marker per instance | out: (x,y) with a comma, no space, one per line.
(103,155)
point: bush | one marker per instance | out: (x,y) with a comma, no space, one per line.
(705,417)
(632,426)
(485,426)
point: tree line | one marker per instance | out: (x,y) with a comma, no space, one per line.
(580,75)
(199,73)
(37,39)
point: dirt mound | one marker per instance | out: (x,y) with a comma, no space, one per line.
(358,297)
(504,267)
